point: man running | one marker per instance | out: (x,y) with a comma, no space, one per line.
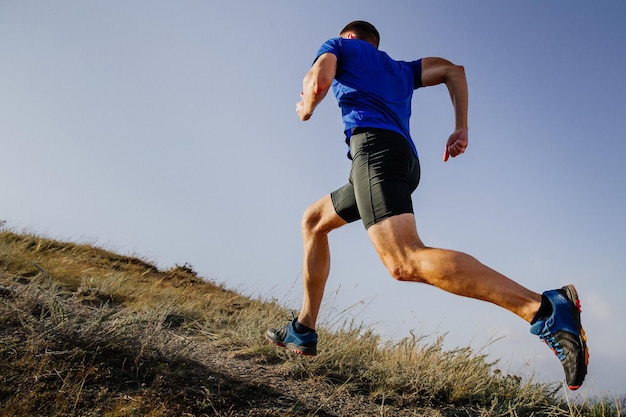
(374,93)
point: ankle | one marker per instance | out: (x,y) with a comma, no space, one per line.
(301,328)
(545,310)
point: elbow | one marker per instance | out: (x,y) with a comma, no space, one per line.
(455,76)
(456,71)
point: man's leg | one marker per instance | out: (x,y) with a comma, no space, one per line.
(318,220)
(398,244)
(408,259)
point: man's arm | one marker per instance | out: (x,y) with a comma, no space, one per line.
(316,84)
(441,71)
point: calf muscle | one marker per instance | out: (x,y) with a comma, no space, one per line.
(408,259)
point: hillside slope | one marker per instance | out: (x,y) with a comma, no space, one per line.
(88,332)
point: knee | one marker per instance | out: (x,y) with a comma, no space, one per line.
(320,218)
(312,222)
(413,267)
(403,270)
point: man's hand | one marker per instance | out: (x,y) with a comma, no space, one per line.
(301,110)
(457,142)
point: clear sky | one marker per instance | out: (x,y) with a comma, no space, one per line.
(167,130)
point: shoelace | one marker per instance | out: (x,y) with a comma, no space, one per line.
(282,331)
(550,339)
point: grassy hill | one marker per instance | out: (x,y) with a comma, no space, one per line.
(88,332)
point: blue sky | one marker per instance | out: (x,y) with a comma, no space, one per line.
(168,130)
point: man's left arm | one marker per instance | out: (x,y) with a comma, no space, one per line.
(316,84)
(441,71)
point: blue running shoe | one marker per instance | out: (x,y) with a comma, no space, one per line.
(287,337)
(564,334)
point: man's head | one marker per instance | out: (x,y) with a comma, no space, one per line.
(361,30)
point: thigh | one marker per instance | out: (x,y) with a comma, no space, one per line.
(395,234)
(396,240)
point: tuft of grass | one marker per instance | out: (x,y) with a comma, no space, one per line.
(87,332)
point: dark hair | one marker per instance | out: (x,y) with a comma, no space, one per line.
(363,30)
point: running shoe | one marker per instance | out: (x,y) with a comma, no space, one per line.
(564,334)
(287,337)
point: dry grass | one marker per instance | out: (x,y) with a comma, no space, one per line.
(87,332)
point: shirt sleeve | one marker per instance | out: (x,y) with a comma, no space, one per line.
(416,67)
(330,46)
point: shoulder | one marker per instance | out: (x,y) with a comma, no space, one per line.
(331,45)
(344,45)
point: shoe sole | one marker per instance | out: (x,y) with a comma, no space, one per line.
(572,295)
(300,350)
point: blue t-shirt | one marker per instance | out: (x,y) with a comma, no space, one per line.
(372,89)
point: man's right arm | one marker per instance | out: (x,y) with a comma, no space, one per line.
(316,84)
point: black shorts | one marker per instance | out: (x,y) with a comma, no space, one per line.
(385,171)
